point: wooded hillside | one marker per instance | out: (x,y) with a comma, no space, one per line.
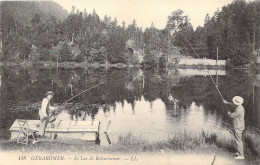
(42,31)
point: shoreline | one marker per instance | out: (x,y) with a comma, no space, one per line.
(180,143)
(83,151)
(98,65)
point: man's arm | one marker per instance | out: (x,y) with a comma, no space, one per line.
(52,108)
(233,114)
(228,103)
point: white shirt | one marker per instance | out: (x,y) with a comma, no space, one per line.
(43,110)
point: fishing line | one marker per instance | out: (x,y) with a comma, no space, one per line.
(107,79)
(84,91)
(204,66)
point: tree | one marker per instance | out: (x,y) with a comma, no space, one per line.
(174,20)
(180,31)
(65,53)
(36,19)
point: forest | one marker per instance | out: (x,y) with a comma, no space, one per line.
(44,32)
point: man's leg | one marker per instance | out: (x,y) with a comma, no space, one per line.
(239,141)
(42,127)
(52,119)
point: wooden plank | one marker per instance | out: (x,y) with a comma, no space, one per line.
(32,125)
(89,136)
(84,130)
(85,123)
(83,126)
(81,130)
(61,126)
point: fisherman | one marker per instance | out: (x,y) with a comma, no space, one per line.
(173,104)
(44,113)
(238,123)
(170,98)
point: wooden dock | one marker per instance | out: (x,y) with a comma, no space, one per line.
(85,130)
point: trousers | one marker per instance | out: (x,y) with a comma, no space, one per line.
(44,123)
(238,133)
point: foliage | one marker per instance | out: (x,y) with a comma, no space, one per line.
(87,38)
(233,30)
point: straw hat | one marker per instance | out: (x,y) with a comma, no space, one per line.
(49,93)
(237,100)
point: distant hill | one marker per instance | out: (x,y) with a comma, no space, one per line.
(24,11)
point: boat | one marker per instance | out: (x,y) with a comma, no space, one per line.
(84,130)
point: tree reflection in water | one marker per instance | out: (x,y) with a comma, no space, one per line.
(140,90)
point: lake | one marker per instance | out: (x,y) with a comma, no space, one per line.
(135,100)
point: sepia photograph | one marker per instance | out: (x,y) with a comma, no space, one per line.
(130,82)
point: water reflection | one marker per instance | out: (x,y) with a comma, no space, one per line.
(0,83)
(256,103)
(135,100)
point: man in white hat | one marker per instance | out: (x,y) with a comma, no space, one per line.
(44,113)
(238,124)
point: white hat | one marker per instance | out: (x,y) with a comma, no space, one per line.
(49,93)
(237,100)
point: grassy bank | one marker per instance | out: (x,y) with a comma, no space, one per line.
(180,143)
(182,148)
(183,142)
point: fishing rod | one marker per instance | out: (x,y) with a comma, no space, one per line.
(204,67)
(107,137)
(84,91)
(87,90)
(201,61)
(107,79)
(76,96)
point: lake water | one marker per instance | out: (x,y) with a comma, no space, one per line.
(135,100)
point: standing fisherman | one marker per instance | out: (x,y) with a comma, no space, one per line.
(238,123)
(44,113)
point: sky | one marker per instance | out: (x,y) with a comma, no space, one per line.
(147,11)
